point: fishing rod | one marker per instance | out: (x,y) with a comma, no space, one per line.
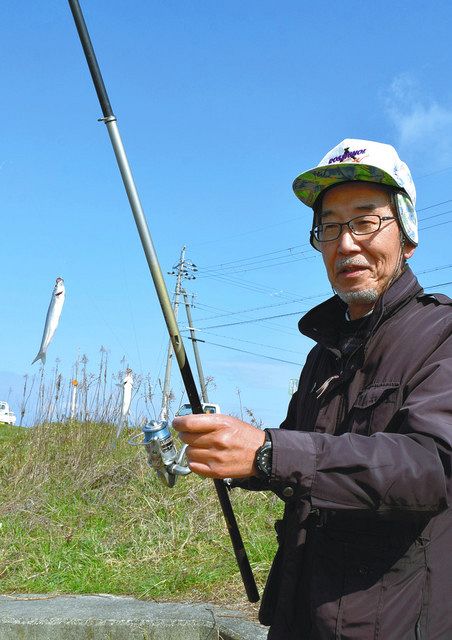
(158,435)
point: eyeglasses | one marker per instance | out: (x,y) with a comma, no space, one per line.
(359,226)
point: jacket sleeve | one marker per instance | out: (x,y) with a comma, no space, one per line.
(405,468)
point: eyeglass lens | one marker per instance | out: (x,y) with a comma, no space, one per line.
(361,225)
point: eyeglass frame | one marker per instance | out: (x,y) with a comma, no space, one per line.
(341,225)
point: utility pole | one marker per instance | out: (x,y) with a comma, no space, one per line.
(182,270)
(202,382)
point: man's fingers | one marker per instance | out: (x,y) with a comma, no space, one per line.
(202,463)
(196,454)
(201,440)
(198,423)
(203,470)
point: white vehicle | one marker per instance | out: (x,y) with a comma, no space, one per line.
(208,407)
(6,415)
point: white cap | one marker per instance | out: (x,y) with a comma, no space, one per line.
(367,161)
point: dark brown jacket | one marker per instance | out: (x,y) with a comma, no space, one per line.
(363,464)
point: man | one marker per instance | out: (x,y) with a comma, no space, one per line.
(363,458)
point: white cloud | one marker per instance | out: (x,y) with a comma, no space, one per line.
(424,127)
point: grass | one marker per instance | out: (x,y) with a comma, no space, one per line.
(81,514)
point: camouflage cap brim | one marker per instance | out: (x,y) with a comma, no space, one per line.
(310,184)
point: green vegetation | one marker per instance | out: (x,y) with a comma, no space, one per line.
(81,513)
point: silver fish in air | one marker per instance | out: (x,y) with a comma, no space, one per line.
(52,318)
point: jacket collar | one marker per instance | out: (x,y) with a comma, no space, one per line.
(323,323)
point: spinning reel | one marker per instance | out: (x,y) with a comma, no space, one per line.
(162,453)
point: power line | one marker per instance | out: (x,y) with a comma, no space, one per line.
(267,306)
(246,267)
(231,324)
(244,284)
(284,315)
(247,233)
(252,286)
(436,215)
(241,265)
(295,301)
(269,325)
(257,344)
(282,222)
(220,265)
(433,173)
(446,266)
(260,355)
(440,284)
(230,268)
(229,264)
(438,204)
(439,224)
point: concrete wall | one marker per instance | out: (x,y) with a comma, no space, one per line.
(43,617)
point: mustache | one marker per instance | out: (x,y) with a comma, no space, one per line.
(350,262)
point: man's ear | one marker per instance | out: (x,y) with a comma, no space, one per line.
(408,250)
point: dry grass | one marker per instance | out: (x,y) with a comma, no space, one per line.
(82,513)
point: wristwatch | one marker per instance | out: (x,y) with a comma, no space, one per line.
(263,458)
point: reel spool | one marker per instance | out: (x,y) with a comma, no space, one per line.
(163,456)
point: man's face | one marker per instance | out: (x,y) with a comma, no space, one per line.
(360,268)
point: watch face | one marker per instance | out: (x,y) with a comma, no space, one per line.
(264,459)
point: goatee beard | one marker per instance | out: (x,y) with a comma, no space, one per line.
(364,296)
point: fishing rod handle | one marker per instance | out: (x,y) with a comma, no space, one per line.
(237,543)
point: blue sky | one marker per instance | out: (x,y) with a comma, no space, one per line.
(220,106)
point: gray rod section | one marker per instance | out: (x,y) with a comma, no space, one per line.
(146,239)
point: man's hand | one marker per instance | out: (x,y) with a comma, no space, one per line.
(219,446)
